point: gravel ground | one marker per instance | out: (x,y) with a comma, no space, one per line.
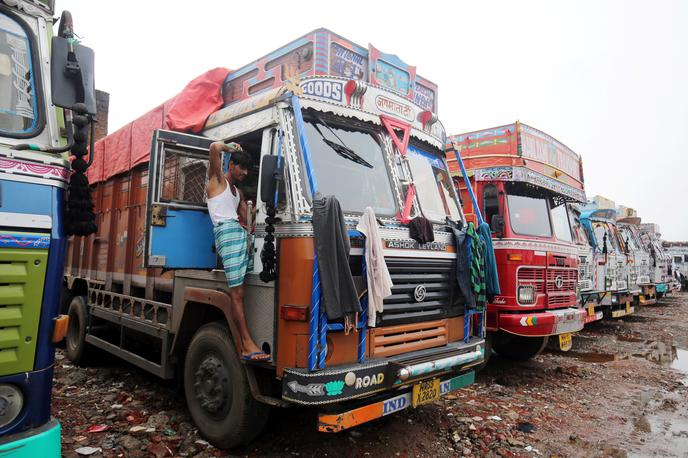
(619,392)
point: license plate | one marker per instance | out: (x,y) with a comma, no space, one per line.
(628,308)
(565,342)
(591,309)
(426,392)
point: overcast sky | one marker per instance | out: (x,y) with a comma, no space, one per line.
(607,78)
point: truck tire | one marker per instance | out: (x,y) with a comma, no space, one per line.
(518,348)
(78,351)
(217,392)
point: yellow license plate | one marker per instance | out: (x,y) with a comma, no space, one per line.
(565,341)
(426,392)
(591,309)
(628,308)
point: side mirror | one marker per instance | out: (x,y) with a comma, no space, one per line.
(72,74)
(270,175)
(497,225)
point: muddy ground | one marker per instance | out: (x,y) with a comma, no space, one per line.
(619,392)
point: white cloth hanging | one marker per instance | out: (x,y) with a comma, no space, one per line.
(379,281)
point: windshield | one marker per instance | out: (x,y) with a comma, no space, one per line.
(337,173)
(602,229)
(528,212)
(18,114)
(433,185)
(629,238)
(560,221)
(577,228)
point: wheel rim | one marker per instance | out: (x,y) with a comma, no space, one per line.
(212,388)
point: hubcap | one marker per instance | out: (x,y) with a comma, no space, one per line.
(212,386)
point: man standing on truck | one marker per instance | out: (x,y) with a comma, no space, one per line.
(225,203)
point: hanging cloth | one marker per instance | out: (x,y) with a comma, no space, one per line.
(463,271)
(420,230)
(379,281)
(332,246)
(491,275)
(477,266)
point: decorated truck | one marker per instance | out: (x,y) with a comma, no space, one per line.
(319,116)
(38,71)
(599,220)
(679,253)
(590,290)
(642,288)
(660,260)
(523,179)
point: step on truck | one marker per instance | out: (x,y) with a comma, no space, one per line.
(320,115)
(522,179)
(644,291)
(610,262)
(40,69)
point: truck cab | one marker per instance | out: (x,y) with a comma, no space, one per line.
(590,294)
(319,116)
(34,178)
(679,252)
(644,292)
(522,195)
(660,260)
(611,264)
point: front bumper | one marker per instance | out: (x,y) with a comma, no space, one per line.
(354,381)
(622,304)
(540,324)
(648,295)
(388,403)
(36,442)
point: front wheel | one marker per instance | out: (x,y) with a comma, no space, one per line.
(519,348)
(217,392)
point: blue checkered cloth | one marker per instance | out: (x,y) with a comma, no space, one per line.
(230,240)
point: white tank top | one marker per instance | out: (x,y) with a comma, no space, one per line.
(223,207)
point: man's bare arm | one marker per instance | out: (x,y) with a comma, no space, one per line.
(215,168)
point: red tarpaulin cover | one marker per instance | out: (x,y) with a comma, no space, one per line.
(186,112)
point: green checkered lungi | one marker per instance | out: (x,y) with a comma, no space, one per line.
(230,240)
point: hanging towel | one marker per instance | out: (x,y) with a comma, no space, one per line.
(477,266)
(491,276)
(332,246)
(420,230)
(379,281)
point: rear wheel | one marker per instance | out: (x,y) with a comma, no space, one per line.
(519,348)
(217,392)
(78,351)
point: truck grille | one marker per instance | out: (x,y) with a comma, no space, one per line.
(533,277)
(441,299)
(395,340)
(569,279)
(561,299)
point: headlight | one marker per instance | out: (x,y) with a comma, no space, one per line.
(615,299)
(526,295)
(11,403)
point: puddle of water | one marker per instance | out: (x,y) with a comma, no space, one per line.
(680,363)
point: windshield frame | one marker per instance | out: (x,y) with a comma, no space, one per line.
(425,149)
(36,80)
(340,122)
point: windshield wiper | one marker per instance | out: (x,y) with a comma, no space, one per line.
(347,153)
(340,148)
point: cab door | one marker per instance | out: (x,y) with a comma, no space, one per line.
(179,233)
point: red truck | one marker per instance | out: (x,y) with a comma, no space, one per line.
(522,180)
